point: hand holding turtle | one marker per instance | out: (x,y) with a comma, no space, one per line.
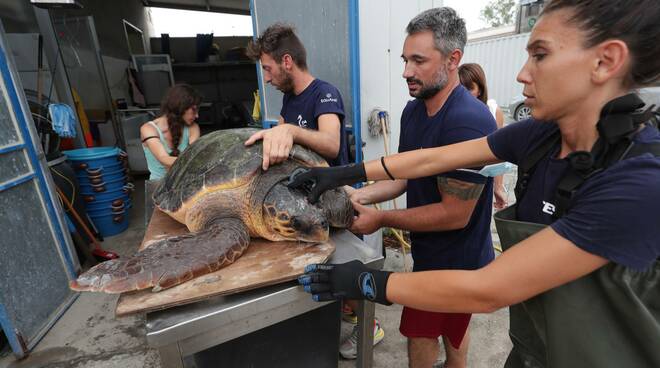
(351,280)
(321,179)
(277,143)
(366,219)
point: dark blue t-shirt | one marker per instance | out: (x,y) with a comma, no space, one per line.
(461,118)
(317,99)
(615,214)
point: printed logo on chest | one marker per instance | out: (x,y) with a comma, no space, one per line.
(301,122)
(548,208)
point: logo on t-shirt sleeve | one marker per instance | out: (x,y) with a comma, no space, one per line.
(328,98)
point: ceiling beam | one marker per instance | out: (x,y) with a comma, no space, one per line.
(207,8)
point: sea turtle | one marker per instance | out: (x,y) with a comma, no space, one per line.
(219,191)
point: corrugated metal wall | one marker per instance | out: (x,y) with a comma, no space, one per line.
(501,59)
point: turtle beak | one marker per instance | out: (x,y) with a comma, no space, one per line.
(317,230)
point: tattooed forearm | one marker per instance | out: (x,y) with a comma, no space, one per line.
(460,189)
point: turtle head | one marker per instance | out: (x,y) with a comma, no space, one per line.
(337,207)
(288,215)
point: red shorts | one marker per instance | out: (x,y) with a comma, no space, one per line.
(417,323)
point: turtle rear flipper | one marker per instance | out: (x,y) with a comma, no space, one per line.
(170,261)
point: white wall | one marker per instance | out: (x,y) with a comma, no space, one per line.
(382,32)
(501,58)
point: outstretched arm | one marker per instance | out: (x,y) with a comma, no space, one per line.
(377,192)
(406,165)
(539,263)
(432,161)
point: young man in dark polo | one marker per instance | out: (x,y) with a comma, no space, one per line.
(312,115)
(312,112)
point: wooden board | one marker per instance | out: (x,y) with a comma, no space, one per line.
(263,263)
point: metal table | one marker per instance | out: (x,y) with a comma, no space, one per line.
(182,331)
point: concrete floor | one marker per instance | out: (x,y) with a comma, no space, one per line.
(89,335)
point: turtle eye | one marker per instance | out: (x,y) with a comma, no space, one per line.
(296,224)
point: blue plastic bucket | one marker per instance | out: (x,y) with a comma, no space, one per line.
(103,186)
(110,204)
(94,153)
(96,157)
(122,192)
(109,223)
(98,179)
(101,170)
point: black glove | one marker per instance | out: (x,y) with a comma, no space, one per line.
(319,179)
(352,280)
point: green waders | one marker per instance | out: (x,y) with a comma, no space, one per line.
(608,318)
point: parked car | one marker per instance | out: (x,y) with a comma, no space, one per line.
(518,111)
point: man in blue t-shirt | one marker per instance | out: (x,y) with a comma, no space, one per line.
(312,110)
(448,215)
(312,115)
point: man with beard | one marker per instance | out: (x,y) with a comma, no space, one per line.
(448,215)
(312,110)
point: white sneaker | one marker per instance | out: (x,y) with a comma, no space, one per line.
(348,348)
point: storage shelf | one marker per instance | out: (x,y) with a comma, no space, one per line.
(212,64)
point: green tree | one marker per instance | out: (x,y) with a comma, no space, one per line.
(499,12)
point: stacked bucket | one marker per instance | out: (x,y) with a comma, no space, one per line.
(102,175)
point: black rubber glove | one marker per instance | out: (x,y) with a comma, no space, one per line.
(319,179)
(352,280)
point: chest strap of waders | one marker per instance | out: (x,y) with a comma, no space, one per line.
(620,121)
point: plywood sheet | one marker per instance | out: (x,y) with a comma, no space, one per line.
(263,263)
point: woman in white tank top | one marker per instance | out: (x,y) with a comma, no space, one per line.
(473,78)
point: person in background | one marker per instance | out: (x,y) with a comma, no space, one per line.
(474,79)
(165,137)
(581,263)
(312,115)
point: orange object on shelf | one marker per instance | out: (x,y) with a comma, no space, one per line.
(84,121)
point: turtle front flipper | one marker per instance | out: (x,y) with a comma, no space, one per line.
(170,261)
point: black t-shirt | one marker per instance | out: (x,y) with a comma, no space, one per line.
(615,214)
(317,99)
(461,118)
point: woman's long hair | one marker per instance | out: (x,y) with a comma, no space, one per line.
(472,73)
(178,99)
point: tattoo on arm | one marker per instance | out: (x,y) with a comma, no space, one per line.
(461,189)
